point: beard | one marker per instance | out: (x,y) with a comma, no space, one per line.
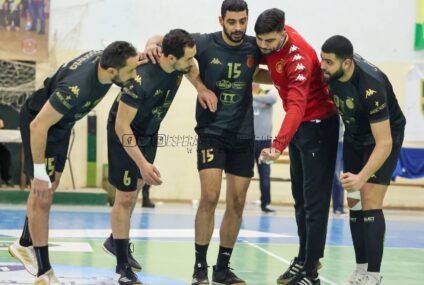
(235,37)
(335,76)
(118,81)
(183,70)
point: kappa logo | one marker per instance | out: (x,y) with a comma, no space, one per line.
(300,77)
(75,90)
(369,93)
(215,60)
(138,79)
(297,57)
(293,48)
(300,67)
(158,92)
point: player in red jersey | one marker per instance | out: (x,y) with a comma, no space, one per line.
(310,129)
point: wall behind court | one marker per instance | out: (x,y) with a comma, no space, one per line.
(382,31)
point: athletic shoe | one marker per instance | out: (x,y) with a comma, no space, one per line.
(294,270)
(302,279)
(47,278)
(200,276)
(109,247)
(26,255)
(371,280)
(225,277)
(357,277)
(125,276)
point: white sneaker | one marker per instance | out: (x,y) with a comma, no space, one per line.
(26,255)
(47,278)
(371,280)
(356,278)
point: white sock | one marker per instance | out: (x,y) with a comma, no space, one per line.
(362,267)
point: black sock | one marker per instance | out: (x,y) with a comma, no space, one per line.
(358,236)
(42,254)
(121,248)
(311,268)
(201,251)
(224,256)
(25,239)
(375,229)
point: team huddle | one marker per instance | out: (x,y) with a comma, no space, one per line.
(314,93)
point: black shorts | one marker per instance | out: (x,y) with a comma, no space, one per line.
(355,157)
(235,156)
(56,150)
(123,171)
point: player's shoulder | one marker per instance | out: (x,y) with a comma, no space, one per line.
(369,75)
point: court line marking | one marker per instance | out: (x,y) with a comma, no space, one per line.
(283,259)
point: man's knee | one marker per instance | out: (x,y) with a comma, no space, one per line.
(125,200)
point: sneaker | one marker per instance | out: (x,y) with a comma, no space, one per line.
(47,278)
(125,276)
(26,255)
(147,203)
(225,277)
(200,276)
(109,247)
(371,280)
(294,269)
(267,210)
(302,279)
(357,277)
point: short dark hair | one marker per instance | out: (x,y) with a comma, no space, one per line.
(271,20)
(340,46)
(176,41)
(233,6)
(116,54)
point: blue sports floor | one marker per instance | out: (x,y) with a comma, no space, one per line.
(163,243)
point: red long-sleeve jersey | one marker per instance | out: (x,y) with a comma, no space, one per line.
(296,73)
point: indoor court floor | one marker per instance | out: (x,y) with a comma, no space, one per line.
(163,243)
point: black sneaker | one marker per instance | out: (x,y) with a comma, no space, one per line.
(302,279)
(200,276)
(225,277)
(109,247)
(126,276)
(294,270)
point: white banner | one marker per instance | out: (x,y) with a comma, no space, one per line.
(415,104)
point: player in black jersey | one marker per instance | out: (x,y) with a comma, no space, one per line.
(228,60)
(46,120)
(374,131)
(133,123)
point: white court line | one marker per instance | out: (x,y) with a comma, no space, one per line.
(283,259)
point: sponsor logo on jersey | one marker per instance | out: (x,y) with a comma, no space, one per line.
(223,84)
(97,102)
(378,109)
(250,62)
(369,93)
(62,99)
(239,85)
(215,60)
(75,90)
(87,104)
(349,103)
(229,97)
(279,66)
